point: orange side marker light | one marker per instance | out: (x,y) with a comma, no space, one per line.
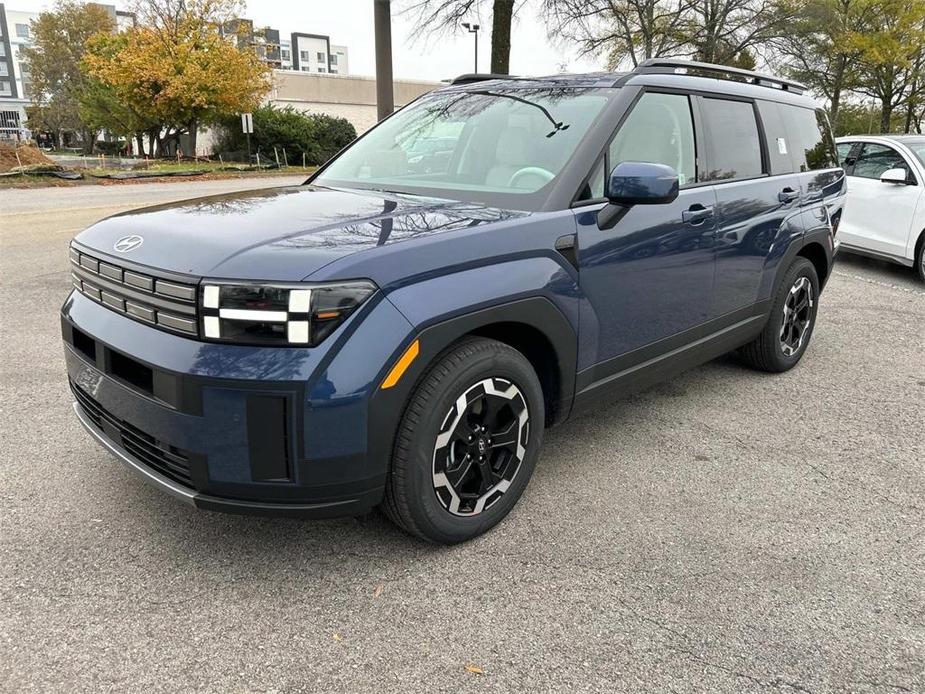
(402,365)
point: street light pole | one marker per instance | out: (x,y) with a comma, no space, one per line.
(385,96)
(474,29)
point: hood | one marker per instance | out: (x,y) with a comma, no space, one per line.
(281,234)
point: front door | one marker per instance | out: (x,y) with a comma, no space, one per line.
(651,276)
(878,216)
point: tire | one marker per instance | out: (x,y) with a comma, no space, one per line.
(920,258)
(436,443)
(777,350)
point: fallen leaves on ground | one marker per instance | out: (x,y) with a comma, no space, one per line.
(474,669)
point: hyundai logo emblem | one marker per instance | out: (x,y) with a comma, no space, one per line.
(128,243)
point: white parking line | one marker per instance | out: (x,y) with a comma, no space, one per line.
(888,285)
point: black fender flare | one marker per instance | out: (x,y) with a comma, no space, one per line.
(387,406)
(820,237)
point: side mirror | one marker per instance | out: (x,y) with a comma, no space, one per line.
(642,183)
(895,176)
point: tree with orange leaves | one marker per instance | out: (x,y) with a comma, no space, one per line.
(178,69)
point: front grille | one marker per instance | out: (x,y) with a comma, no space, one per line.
(169,461)
(159,302)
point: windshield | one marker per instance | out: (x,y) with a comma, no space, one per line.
(918,148)
(472,145)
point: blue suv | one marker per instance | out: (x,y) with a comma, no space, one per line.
(492,259)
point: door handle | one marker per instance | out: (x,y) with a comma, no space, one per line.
(697,214)
(788,195)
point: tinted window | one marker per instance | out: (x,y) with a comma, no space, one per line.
(918,148)
(779,147)
(733,144)
(660,130)
(843,149)
(594,188)
(877,159)
(814,147)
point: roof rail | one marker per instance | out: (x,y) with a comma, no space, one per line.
(675,66)
(480,77)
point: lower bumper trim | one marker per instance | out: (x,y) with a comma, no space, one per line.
(328,509)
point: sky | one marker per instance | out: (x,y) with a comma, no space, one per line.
(350,23)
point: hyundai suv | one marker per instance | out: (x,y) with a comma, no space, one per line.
(400,336)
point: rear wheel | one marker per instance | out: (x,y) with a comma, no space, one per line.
(467,444)
(784,340)
(920,258)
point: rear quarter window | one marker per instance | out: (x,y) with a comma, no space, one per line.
(814,146)
(779,146)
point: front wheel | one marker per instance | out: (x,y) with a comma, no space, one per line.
(784,340)
(467,443)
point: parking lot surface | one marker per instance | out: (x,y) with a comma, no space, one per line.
(727,531)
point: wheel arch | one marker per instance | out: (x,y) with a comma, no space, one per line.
(815,253)
(534,326)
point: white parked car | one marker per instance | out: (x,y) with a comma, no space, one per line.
(885,213)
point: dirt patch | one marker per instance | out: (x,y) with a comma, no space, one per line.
(28,156)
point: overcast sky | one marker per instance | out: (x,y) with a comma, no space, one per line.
(350,23)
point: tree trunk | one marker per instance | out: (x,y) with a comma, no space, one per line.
(89,140)
(501,15)
(140,144)
(193,130)
(886,115)
(152,143)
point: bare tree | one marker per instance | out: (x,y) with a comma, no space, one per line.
(445,17)
(625,31)
(728,32)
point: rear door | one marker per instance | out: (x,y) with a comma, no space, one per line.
(758,194)
(879,215)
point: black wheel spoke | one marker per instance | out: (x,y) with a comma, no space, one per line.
(798,314)
(481,457)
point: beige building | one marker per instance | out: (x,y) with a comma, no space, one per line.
(348,96)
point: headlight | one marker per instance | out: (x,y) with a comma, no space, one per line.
(277,314)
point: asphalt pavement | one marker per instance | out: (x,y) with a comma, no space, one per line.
(727,531)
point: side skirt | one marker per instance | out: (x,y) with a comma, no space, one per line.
(907,262)
(648,365)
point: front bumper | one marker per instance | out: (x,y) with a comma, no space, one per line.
(277,431)
(191,497)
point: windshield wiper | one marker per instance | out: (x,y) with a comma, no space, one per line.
(557,125)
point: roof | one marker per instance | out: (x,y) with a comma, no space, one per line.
(705,77)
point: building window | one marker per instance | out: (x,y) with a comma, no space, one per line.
(333,60)
(22,31)
(333,71)
(321,69)
(286,55)
(305,55)
(305,68)
(2,50)
(320,56)
(4,70)
(5,89)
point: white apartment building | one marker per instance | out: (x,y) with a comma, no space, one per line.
(15,87)
(15,34)
(314,53)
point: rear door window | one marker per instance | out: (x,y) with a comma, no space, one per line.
(732,140)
